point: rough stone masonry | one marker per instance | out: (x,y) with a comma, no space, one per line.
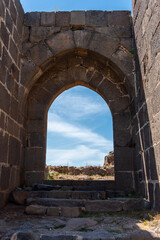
(42,54)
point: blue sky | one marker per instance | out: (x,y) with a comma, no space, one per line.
(79,129)
(79,120)
(68,5)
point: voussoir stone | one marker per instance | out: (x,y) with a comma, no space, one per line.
(61,41)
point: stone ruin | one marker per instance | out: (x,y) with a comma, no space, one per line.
(42,54)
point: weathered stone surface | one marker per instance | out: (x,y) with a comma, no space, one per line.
(23,236)
(47,19)
(71,211)
(82,38)
(60,42)
(53,211)
(41,33)
(103,206)
(20,197)
(96,18)
(36,210)
(122,18)
(4,34)
(124,158)
(135,204)
(77,18)
(79,223)
(63,19)
(32,19)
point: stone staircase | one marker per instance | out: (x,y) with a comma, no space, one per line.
(74,198)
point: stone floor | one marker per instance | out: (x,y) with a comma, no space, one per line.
(15,225)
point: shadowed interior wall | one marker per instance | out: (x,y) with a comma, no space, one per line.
(146,21)
(11,24)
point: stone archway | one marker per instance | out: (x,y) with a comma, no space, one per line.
(92,70)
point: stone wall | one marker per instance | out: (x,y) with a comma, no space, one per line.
(11,23)
(147,105)
(65,49)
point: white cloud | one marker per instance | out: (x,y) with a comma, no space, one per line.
(79,156)
(79,106)
(56,125)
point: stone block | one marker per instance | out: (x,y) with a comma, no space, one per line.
(33,177)
(155,44)
(2,120)
(34,159)
(19,9)
(23,236)
(37,140)
(6,59)
(96,18)
(47,19)
(3,199)
(2,9)
(13,11)
(103,206)
(19,26)
(32,19)
(4,34)
(9,22)
(39,33)
(27,68)
(153,164)
(4,180)
(63,19)
(35,210)
(151,194)
(119,18)
(26,33)
(4,99)
(39,53)
(157,196)
(135,204)
(70,211)
(122,184)
(123,158)
(14,151)
(53,211)
(3,146)
(61,42)
(82,38)
(13,50)
(3,72)
(77,18)
(19,197)
(14,178)
(0,49)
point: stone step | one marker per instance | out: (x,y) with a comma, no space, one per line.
(88,184)
(21,196)
(112,205)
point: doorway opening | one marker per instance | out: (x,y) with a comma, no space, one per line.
(79,137)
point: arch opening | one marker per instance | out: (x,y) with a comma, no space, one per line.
(71,70)
(79,136)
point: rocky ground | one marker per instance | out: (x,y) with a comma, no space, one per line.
(105,172)
(139,225)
